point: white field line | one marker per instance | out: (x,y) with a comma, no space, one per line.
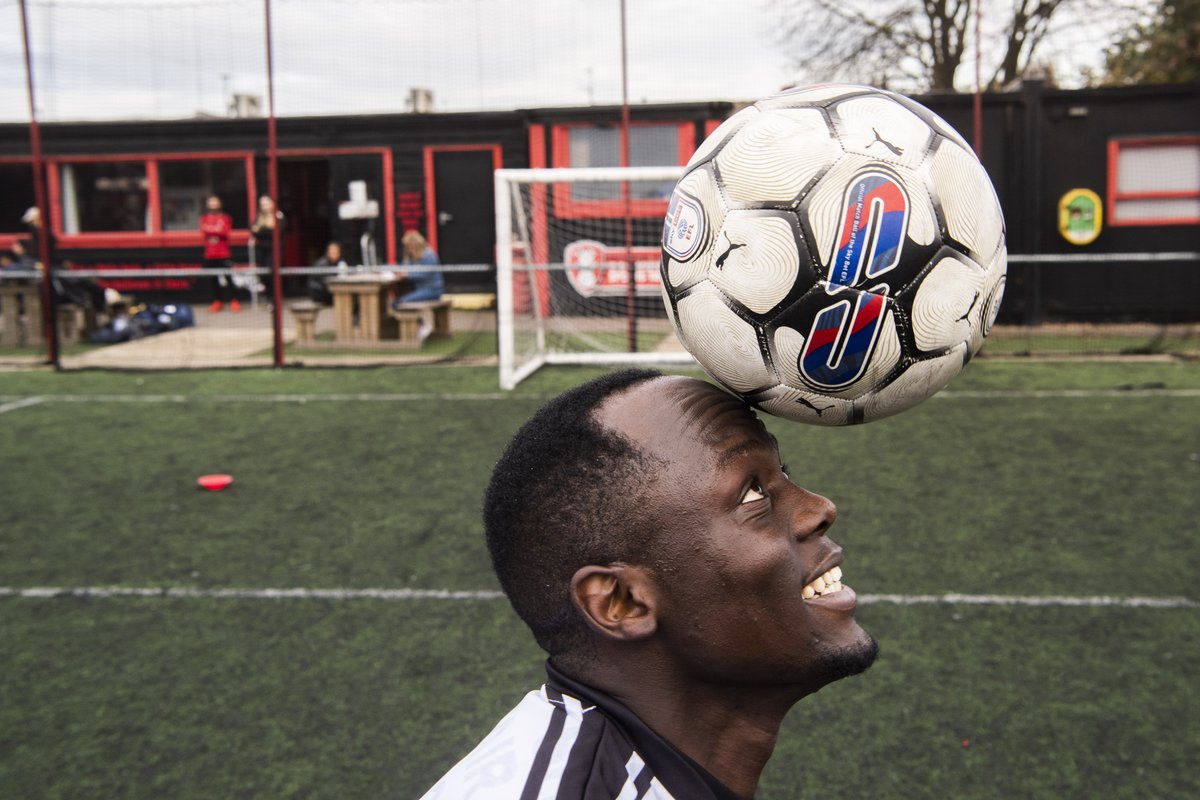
(185,593)
(181,592)
(12,402)
(1034,394)
(267,398)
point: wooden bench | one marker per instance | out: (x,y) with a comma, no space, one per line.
(70,324)
(408,316)
(305,313)
(15,299)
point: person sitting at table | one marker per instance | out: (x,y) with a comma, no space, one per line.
(20,260)
(317,290)
(425,285)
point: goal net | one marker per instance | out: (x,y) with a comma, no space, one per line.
(577,268)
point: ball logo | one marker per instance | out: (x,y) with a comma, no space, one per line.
(824,363)
(684,227)
(874,224)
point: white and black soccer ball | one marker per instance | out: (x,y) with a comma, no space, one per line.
(834,254)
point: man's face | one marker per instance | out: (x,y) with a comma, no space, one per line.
(740,544)
(214,204)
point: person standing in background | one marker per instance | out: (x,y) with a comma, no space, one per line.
(216,226)
(263,231)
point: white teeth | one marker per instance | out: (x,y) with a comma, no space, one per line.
(823,585)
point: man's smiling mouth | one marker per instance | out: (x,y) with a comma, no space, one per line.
(824,585)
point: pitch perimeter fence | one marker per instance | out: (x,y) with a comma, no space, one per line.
(99,327)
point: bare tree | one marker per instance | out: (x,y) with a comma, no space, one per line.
(1029,22)
(919,45)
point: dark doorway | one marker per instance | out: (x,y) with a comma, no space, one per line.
(305,203)
(466,212)
(315,191)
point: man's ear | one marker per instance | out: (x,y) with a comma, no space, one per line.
(617,600)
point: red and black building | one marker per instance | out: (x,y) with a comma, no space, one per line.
(128,195)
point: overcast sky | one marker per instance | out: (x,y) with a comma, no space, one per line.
(98,59)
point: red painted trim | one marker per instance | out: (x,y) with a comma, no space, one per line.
(196,155)
(16,159)
(430,200)
(251,188)
(1172,195)
(1157,141)
(560,144)
(153,196)
(539,231)
(1133,223)
(686,142)
(389,208)
(128,240)
(54,190)
(427,157)
(711,125)
(1111,182)
(537,146)
(329,151)
(1115,196)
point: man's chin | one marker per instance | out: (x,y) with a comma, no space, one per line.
(851,659)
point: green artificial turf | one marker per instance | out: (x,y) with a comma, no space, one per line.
(1021,479)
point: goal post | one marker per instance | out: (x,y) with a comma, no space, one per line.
(577,268)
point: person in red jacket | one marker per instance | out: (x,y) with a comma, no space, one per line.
(216,226)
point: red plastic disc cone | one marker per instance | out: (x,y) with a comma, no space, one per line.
(214,483)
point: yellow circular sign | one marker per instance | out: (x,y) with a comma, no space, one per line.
(1080,216)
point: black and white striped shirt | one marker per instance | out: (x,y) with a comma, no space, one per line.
(567,741)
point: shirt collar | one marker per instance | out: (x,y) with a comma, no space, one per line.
(681,776)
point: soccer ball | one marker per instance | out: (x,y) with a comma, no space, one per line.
(834,254)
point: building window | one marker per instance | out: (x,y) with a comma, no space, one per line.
(650,145)
(145,200)
(1154,181)
(105,197)
(185,186)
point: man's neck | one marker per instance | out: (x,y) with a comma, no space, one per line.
(729,732)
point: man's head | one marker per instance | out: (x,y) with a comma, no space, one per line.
(213,203)
(333,252)
(32,216)
(648,514)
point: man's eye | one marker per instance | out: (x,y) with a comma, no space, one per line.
(755,492)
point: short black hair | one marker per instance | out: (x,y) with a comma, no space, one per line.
(565,494)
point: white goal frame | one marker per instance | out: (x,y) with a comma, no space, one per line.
(509,217)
